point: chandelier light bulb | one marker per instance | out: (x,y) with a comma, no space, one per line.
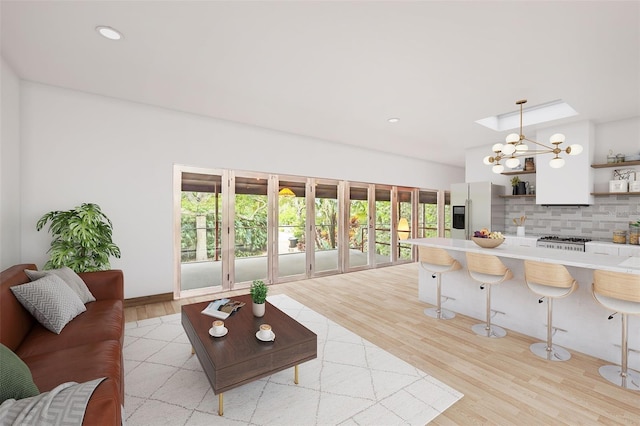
(512,162)
(558,137)
(508,149)
(512,137)
(497,147)
(498,168)
(556,163)
(522,147)
(575,149)
(486,161)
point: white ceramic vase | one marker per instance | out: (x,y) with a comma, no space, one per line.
(258,309)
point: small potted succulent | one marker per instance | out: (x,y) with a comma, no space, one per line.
(258,294)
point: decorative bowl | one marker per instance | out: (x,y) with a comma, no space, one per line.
(488,242)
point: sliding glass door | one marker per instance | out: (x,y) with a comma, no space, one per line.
(232,228)
(201,215)
(325,231)
(292,236)
(405,221)
(249,209)
(359,227)
(382,230)
(428,214)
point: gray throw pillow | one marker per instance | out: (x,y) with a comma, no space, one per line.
(50,301)
(16,381)
(68,275)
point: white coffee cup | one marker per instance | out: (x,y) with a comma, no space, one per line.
(265,332)
(218,327)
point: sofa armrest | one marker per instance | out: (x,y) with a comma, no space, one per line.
(105,284)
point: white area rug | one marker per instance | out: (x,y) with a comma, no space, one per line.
(352,382)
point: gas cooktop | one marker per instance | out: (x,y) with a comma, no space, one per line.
(564,239)
(562,243)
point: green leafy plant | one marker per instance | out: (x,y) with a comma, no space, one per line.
(515,180)
(258,291)
(81,239)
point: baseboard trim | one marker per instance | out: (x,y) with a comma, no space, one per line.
(146,300)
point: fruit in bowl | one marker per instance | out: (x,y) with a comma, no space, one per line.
(487,239)
(485,233)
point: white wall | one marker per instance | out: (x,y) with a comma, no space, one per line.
(621,137)
(80,148)
(477,171)
(9,166)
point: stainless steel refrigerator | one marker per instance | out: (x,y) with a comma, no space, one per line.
(475,206)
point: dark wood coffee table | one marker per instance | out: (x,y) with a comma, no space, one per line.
(239,357)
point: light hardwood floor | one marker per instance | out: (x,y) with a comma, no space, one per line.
(502,381)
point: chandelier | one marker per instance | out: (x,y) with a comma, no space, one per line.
(516,147)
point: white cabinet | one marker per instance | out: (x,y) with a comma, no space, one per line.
(629,250)
(513,241)
(571,184)
(602,248)
(599,247)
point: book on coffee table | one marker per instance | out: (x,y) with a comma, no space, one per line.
(222,308)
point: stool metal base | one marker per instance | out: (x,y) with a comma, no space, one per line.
(444,314)
(613,373)
(555,354)
(494,331)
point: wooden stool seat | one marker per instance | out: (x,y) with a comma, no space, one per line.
(437,261)
(553,282)
(619,292)
(488,270)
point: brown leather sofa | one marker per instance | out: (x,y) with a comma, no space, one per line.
(88,347)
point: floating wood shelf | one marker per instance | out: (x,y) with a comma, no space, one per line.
(623,164)
(610,193)
(518,196)
(521,172)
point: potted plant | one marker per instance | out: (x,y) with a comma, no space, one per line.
(514,183)
(258,293)
(81,239)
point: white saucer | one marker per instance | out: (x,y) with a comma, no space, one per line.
(273,337)
(224,333)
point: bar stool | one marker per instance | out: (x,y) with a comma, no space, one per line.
(619,292)
(553,282)
(437,261)
(489,271)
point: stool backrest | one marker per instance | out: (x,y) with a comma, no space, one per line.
(485,264)
(550,274)
(435,256)
(618,285)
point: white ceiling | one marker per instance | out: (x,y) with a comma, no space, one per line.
(337,70)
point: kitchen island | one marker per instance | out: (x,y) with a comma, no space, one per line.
(581,321)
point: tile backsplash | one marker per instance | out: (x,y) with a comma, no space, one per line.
(596,221)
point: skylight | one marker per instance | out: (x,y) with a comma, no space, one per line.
(542,113)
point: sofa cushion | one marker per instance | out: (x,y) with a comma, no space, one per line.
(103,320)
(16,381)
(77,364)
(50,301)
(81,364)
(72,279)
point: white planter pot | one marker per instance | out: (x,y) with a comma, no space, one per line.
(258,309)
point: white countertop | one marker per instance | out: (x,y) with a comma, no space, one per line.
(623,264)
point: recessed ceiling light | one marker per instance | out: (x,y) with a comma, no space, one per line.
(108,32)
(549,111)
(393,120)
